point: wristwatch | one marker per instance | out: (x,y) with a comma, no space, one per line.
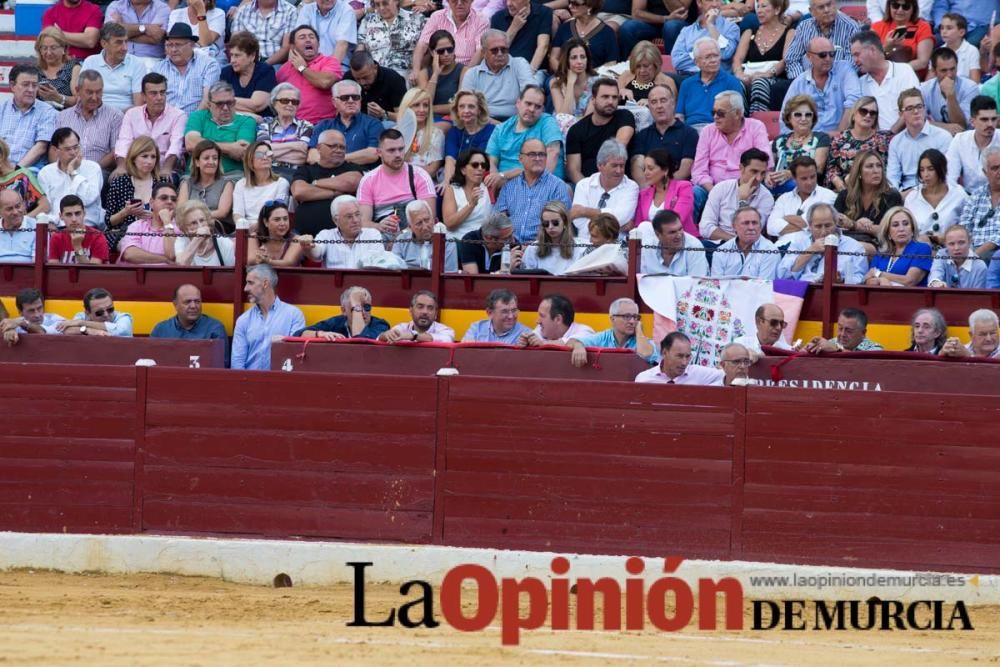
(83,330)
(415,334)
(301,68)
(142,28)
(201,18)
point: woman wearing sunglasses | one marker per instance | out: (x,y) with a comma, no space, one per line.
(800,115)
(905,36)
(585,25)
(440,79)
(862,135)
(289,135)
(467,204)
(555,249)
(260,184)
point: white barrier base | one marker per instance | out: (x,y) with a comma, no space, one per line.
(254,561)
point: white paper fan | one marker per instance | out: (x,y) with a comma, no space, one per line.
(407,126)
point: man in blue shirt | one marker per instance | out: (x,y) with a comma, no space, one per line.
(269,316)
(523,197)
(502,325)
(712,25)
(355,320)
(530,122)
(832,84)
(625,333)
(360,130)
(190,323)
(697,93)
(948,96)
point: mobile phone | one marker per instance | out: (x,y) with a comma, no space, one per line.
(899,32)
(133,201)
(911,33)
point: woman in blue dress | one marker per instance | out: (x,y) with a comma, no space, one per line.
(902,261)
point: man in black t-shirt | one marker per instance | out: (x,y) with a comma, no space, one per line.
(382,89)
(314,186)
(606,122)
(531,23)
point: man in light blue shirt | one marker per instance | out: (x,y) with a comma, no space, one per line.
(804,260)
(121,71)
(504,146)
(710,24)
(499,77)
(625,333)
(99,317)
(832,84)
(917,136)
(748,254)
(956,265)
(269,316)
(948,96)
(501,326)
(189,75)
(523,197)
(669,249)
(335,24)
(17,234)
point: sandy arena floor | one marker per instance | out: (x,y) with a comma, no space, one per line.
(57,619)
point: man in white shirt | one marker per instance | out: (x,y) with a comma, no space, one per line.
(675,365)
(70,174)
(349,245)
(917,135)
(966,148)
(667,248)
(806,248)
(788,214)
(33,320)
(556,323)
(608,190)
(770,323)
(424,327)
(748,254)
(881,79)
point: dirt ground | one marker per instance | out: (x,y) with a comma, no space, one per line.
(49,618)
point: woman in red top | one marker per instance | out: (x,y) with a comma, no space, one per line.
(905,36)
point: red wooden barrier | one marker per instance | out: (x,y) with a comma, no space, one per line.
(556,465)
(109,351)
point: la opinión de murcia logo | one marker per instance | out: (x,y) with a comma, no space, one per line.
(668,604)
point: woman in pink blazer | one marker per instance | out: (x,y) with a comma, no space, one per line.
(665,192)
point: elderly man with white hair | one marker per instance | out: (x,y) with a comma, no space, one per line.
(625,333)
(359,129)
(608,190)
(355,319)
(984,331)
(804,259)
(694,100)
(980,213)
(415,244)
(349,245)
(711,26)
(500,77)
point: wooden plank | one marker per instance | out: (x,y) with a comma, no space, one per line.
(884,479)
(65,518)
(276,520)
(331,418)
(204,484)
(65,447)
(637,442)
(906,503)
(828,449)
(841,525)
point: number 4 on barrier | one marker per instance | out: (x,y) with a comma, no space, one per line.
(287,366)
(195,361)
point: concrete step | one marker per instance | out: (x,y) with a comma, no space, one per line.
(6,22)
(13,47)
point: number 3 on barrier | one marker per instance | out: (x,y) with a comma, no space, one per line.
(287,366)
(195,361)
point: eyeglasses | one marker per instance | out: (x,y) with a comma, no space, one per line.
(349,98)
(535,156)
(288,100)
(742,362)
(478,165)
(367,307)
(774,323)
(334,147)
(719,113)
(275,202)
(802,114)
(824,54)
(225,104)
(913,107)
(551,223)
(74,147)
(576,3)
(445,50)
(902,5)
(499,50)
(986,218)
(104,311)
(263,154)
(629,317)
(869,113)
(603,201)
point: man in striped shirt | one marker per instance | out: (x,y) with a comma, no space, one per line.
(826,22)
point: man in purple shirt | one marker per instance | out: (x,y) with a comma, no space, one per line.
(145,22)
(675,365)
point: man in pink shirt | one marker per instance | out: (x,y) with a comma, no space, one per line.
(384,191)
(80,22)
(156,119)
(721,144)
(143,242)
(312,73)
(465,26)
(675,365)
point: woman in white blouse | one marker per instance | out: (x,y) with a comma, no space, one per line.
(260,184)
(466,204)
(427,148)
(936,205)
(555,250)
(198,242)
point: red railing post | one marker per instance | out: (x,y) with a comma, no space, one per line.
(41,254)
(240,270)
(438,251)
(634,252)
(829,277)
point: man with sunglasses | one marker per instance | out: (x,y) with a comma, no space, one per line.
(99,317)
(980,213)
(355,319)
(770,326)
(832,84)
(824,21)
(625,333)
(675,365)
(360,130)
(312,72)
(233,132)
(963,153)
(143,241)
(499,76)
(528,26)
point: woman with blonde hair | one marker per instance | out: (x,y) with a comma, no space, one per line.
(644,71)
(471,128)
(902,260)
(865,200)
(198,241)
(555,249)
(259,185)
(129,195)
(58,72)
(427,148)
(862,134)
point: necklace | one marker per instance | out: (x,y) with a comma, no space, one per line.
(769,40)
(642,86)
